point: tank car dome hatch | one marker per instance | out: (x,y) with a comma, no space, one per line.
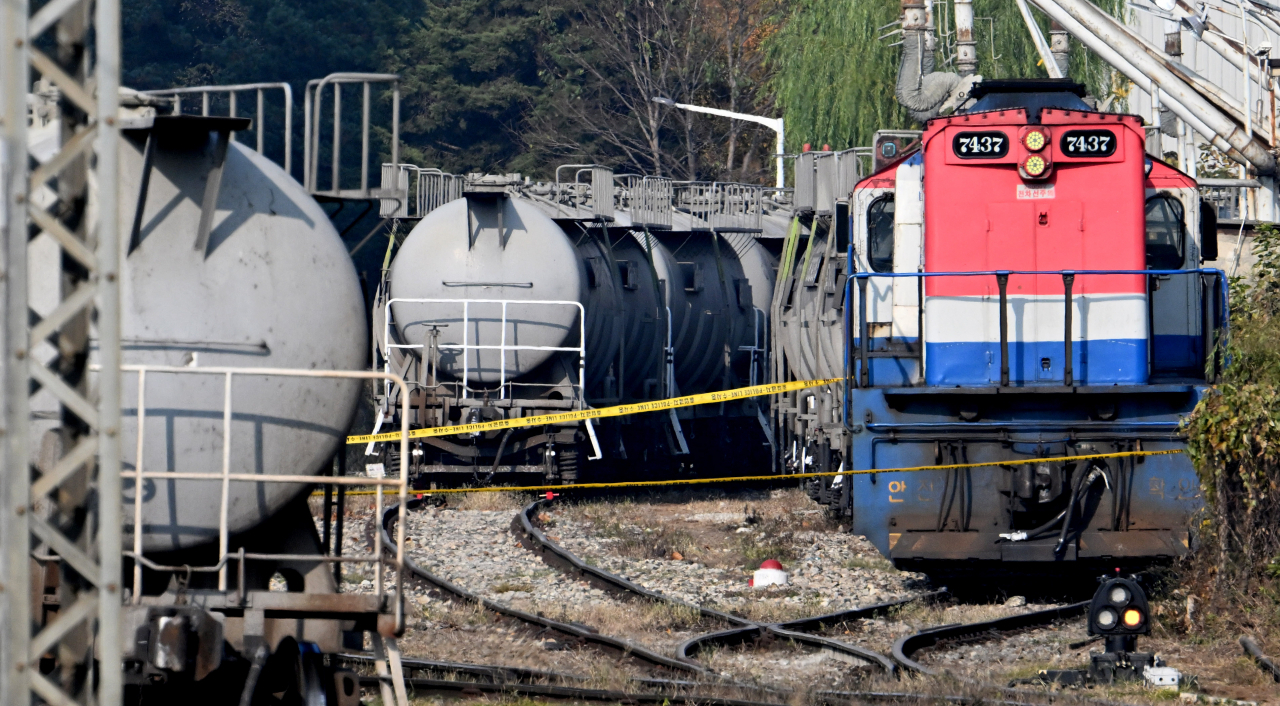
(273,288)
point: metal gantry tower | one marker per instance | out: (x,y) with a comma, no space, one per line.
(60,261)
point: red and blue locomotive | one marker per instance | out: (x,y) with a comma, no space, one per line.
(1027,284)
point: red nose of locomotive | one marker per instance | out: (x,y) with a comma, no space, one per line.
(1034,188)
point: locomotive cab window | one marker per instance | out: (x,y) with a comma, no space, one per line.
(1166,233)
(880,234)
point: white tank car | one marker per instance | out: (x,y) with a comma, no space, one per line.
(273,288)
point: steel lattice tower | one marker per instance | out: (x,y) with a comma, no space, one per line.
(60,487)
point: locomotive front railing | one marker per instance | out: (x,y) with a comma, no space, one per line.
(399,485)
(1213,317)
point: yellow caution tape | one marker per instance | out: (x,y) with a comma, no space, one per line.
(789,476)
(618,411)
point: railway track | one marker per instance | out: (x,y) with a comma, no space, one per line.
(701,682)
(473,680)
(744,631)
(576,633)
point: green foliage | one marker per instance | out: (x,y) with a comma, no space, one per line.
(470,77)
(1234,433)
(834,78)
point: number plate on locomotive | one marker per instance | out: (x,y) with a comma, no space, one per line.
(1088,143)
(980,145)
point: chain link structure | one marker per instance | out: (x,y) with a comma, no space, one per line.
(60,259)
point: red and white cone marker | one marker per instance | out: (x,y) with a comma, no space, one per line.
(770,573)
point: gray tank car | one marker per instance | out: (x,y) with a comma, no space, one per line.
(272,287)
(598,311)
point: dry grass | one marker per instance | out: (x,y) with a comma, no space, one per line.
(703,525)
(488,502)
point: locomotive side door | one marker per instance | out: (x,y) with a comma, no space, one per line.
(1172,216)
(873,225)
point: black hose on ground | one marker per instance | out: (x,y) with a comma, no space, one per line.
(1254,650)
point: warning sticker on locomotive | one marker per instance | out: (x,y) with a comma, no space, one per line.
(1032,192)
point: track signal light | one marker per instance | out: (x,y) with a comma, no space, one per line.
(1119,608)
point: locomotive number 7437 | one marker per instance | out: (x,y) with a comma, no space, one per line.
(980,145)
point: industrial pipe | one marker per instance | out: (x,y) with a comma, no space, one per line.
(1102,34)
(920,90)
(1060,46)
(966,46)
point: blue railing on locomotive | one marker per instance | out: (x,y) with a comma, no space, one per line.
(853,334)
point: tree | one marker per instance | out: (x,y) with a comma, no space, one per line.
(616,56)
(834,67)
(470,79)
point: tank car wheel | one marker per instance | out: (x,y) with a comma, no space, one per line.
(294,675)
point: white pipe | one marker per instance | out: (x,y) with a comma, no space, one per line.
(1037,37)
(1101,33)
(1121,64)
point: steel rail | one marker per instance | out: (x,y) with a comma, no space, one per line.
(906,647)
(615,583)
(503,675)
(743,630)
(579,633)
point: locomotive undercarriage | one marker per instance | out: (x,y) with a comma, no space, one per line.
(1018,520)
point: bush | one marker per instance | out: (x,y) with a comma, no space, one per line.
(1234,433)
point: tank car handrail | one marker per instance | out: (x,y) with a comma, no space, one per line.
(503,346)
(311,134)
(1215,319)
(227,477)
(231,91)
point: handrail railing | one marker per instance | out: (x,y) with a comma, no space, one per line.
(312,97)
(502,347)
(1213,318)
(226,477)
(258,125)
(430,188)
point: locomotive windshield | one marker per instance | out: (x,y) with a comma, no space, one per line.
(880,234)
(1166,233)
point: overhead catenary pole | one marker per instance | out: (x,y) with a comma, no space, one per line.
(775,124)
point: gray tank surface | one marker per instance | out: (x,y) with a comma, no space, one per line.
(274,288)
(499,242)
(497,248)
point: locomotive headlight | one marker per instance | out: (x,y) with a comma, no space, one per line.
(1132,618)
(1119,595)
(1035,165)
(1035,140)
(1106,618)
